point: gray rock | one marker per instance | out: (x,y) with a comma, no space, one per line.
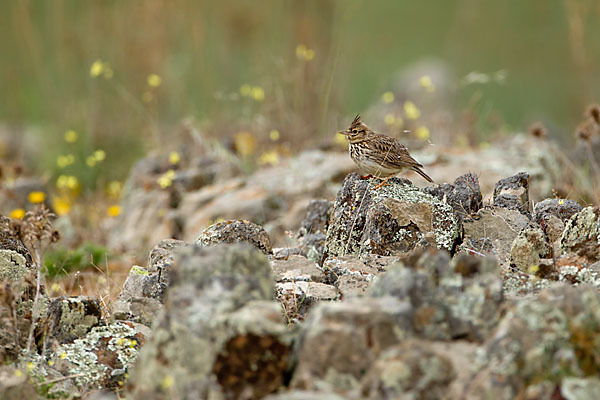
(492,231)
(581,236)
(513,193)
(464,195)
(580,388)
(547,338)
(450,299)
(306,395)
(101,358)
(236,231)
(316,219)
(528,248)
(296,268)
(562,208)
(410,370)
(219,334)
(298,298)
(353,276)
(340,341)
(70,318)
(162,255)
(15,385)
(388,221)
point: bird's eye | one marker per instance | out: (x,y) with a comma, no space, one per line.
(354,131)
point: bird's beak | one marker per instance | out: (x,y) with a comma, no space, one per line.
(345,133)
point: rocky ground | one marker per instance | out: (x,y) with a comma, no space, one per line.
(485,287)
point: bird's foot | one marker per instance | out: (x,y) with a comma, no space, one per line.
(382,184)
(368,176)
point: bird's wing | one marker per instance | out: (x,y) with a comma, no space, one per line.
(395,152)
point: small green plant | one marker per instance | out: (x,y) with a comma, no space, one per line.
(62,261)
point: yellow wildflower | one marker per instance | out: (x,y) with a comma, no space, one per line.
(533,269)
(30,366)
(174,157)
(258,93)
(17,213)
(561,202)
(113,189)
(62,356)
(132,343)
(245,90)
(387,97)
(245,143)
(389,119)
(340,139)
(36,197)
(99,155)
(411,110)
(114,211)
(427,84)
(71,136)
(64,182)
(56,287)
(269,157)
(304,53)
(167,382)
(154,80)
(61,205)
(274,135)
(422,132)
(50,363)
(65,161)
(18,373)
(96,69)
(166,179)
(90,161)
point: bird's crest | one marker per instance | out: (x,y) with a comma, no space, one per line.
(356,121)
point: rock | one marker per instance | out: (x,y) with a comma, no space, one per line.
(298,298)
(353,276)
(15,194)
(582,234)
(15,385)
(458,299)
(548,338)
(389,221)
(235,232)
(70,318)
(580,388)
(492,231)
(410,370)
(513,193)
(219,334)
(528,248)
(340,341)
(102,358)
(561,208)
(313,229)
(101,395)
(296,268)
(305,395)
(15,259)
(162,255)
(464,195)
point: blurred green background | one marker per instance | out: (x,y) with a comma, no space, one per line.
(204,52)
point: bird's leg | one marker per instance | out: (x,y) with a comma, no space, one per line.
(368,176)
(383,183)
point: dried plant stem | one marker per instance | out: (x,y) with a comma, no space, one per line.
(38,262)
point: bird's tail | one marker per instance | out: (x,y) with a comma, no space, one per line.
(423,174)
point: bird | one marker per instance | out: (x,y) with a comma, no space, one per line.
(379,155)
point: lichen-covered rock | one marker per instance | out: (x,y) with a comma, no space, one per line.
(387,221)
(464,195)
(306,395)
(15,385)
(313,229)
(340,341)
(102,358)
(70,318)
(548,338)
(582,234)
(296,268)
(562,208)
(410,370)
(353,276)
(162,255)
(236,231)
(219,334)
(298,298)
(513,193)
(492,231)
(450,299)
(528,248)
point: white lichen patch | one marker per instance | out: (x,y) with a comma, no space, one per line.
(13,266)
(83,358)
